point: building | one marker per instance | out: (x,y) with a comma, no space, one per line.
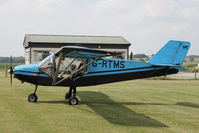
(37,47)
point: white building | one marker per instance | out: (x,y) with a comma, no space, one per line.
(37,47)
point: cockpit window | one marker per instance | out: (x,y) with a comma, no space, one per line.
(47,61)
(67,66)
(48,65)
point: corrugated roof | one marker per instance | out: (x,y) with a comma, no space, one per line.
(36,38)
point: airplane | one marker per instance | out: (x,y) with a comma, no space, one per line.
(74,66)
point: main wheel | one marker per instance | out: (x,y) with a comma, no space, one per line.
(32,97)
(73,101)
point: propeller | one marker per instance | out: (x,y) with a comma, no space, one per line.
(11,70)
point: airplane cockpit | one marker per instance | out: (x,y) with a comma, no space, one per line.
(67,66)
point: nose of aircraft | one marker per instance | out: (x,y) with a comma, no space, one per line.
(25,73)
(26,68)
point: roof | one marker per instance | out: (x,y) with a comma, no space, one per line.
(73,39)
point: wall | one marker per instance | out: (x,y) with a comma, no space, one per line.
(30,51)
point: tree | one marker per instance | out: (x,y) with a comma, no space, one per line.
(191,58)
(14,59)
(140,56)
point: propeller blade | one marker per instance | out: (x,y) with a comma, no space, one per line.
(11,70)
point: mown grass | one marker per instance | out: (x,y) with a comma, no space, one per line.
(139,106)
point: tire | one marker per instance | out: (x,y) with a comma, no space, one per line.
(73,101)
(32,98)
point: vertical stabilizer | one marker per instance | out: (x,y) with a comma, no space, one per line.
(173,53)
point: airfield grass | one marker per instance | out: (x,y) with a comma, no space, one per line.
(138,106)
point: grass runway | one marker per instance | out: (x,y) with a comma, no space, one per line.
(138,106)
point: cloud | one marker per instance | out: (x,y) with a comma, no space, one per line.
(147,24)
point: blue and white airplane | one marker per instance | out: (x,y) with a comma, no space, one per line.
(75,66)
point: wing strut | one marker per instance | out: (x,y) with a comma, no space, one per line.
(68,66)
(58,66)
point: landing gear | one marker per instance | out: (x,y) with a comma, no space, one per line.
(73,101)
(71,95)
(67,96)
(33,97)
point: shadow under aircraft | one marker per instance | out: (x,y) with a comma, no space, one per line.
(188,104)
(114,112)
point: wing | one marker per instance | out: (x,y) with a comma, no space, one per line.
(79,52)
(83,52)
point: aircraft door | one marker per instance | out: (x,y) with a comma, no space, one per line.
(70,66)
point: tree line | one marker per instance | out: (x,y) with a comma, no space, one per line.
(19,59)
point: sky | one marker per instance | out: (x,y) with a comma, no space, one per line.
(146,24)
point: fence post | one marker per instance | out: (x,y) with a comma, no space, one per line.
(195,73)
(6,70)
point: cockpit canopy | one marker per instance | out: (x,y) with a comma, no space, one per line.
(72,58)
(68,65)
(48,65)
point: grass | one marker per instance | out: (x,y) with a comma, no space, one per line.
(150,106)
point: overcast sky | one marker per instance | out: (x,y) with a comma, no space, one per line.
(147,24)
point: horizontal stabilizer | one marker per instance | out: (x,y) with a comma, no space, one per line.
(171,66)
(180,68)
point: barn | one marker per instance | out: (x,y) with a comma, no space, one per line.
(38,46)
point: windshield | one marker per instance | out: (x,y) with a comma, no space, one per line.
(67,65)
(48,65)
(47,61)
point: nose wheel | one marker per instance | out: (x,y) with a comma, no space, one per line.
(33,97)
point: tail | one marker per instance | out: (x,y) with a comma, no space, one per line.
(172,54)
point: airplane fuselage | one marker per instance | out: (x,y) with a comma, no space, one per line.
(99,72)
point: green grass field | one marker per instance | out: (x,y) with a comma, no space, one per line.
(139,106)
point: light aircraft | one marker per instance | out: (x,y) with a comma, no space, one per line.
(75,66)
